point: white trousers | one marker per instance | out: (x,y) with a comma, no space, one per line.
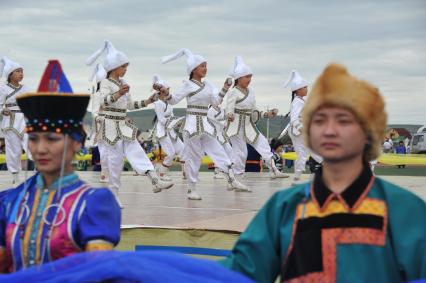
(239,151)
(194,149)
(134,153)
(171,149)
(303,153)
(103,155)
(228,149)
(14,146)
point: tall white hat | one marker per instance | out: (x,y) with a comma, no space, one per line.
(239,69)
(157,80)
(7,66)
(296,81)
(192,61)
(113,58)
(98,74)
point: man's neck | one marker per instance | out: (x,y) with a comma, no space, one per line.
(338,176)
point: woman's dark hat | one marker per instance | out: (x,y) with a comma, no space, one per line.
(54,112)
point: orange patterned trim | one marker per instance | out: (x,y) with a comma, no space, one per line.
(98,245)
(330,238)
(368,206)
(364,194)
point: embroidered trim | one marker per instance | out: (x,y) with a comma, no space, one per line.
(197,107)
(112,98)
(246,93)
(196,113)
(114,82)
(15,90)
(115,117)
(114,110)
(198,90)
(246,112)
(197,82)
(106,101)
(11,125)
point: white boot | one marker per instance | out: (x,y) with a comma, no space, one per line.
(217,174)
(297,180)
(274,172)
(234,184)
(115,192)
(104,177)
(15,178)
(192,192)
(157,183)
(162,172)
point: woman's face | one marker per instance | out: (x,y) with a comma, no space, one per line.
(302,91)
(244,82)
(17,75)
(47,151)
(121,71)
(201,70)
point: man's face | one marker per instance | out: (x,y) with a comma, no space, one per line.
(336,134)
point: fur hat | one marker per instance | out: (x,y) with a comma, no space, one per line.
(192,61)
(113,58)
(239,69)
(7,66)
(336,87)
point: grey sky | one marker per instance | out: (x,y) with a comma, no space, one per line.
(380,41)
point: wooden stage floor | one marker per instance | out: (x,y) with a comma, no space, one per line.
(219,210)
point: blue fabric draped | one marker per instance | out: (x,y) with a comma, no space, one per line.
(116,266)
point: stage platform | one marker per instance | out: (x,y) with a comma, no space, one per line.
(219,209)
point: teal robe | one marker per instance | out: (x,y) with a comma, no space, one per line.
(373,232)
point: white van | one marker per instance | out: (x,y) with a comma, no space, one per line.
(418,142)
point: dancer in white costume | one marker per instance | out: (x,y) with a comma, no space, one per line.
(118,131)
(98,75)
(242,117)
(218,117)
(13,122)
(169,140)
(199,130)
(299,88)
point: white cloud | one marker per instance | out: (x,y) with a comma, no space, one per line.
(381,41)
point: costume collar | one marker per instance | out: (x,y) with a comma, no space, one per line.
(66,181)
(243,91)
(351,195)
(114,81)
(200,84)
(14,87)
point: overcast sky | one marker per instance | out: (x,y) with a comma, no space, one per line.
(380,41)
